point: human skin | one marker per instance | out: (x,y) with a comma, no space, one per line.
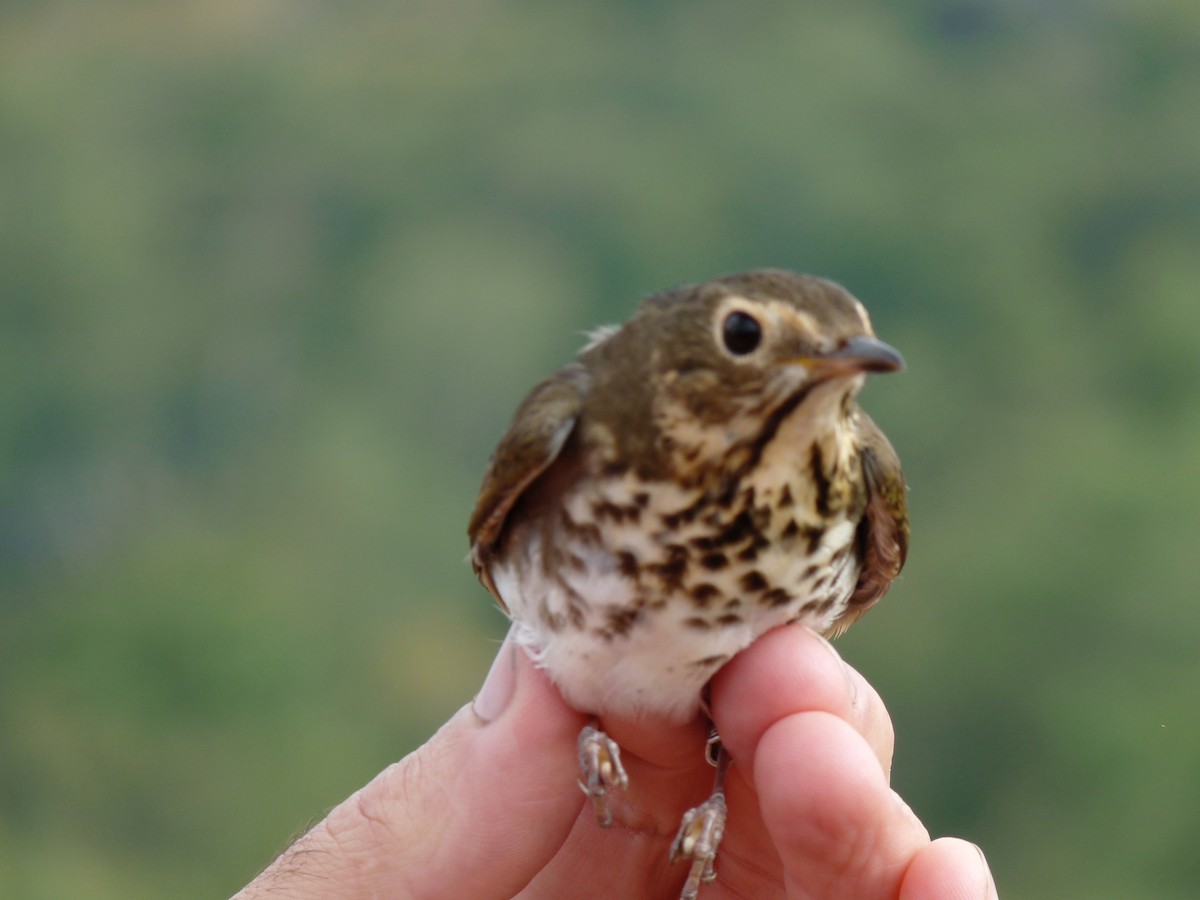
(489,806)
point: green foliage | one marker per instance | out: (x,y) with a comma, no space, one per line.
(274,275)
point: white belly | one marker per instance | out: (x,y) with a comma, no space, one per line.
(619,648)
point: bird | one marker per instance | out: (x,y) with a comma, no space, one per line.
(694,478)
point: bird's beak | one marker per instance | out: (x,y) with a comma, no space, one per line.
(854,355)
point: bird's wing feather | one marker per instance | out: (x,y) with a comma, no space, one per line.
(883,531)
(539,430)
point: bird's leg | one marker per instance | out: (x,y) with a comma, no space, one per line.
(600,769)
(703,826)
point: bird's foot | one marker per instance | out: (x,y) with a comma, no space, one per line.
(699,836)
(601,769)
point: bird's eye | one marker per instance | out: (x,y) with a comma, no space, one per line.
(741,333)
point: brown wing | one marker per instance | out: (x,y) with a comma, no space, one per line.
(883,532)
(538,432)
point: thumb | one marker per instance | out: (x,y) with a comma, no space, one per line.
(486,801)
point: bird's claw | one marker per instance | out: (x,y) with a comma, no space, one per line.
(601,769)
(699,836)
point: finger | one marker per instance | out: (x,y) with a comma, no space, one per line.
(870,718)
(838,828)
(666,764)
(791,670)
(662,745)
(481,803)
(949,869)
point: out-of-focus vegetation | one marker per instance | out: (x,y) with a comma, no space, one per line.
(273,276)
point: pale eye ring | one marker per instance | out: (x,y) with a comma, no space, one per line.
(741,333)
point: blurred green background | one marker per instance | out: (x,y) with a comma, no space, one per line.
(274,275)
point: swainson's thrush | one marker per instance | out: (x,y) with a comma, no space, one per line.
(698,476)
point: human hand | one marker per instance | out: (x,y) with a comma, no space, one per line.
(489,806)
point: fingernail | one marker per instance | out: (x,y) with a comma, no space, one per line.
(851,686)
(989,883)
(497,691)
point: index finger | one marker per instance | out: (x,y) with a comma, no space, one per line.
(791,670)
